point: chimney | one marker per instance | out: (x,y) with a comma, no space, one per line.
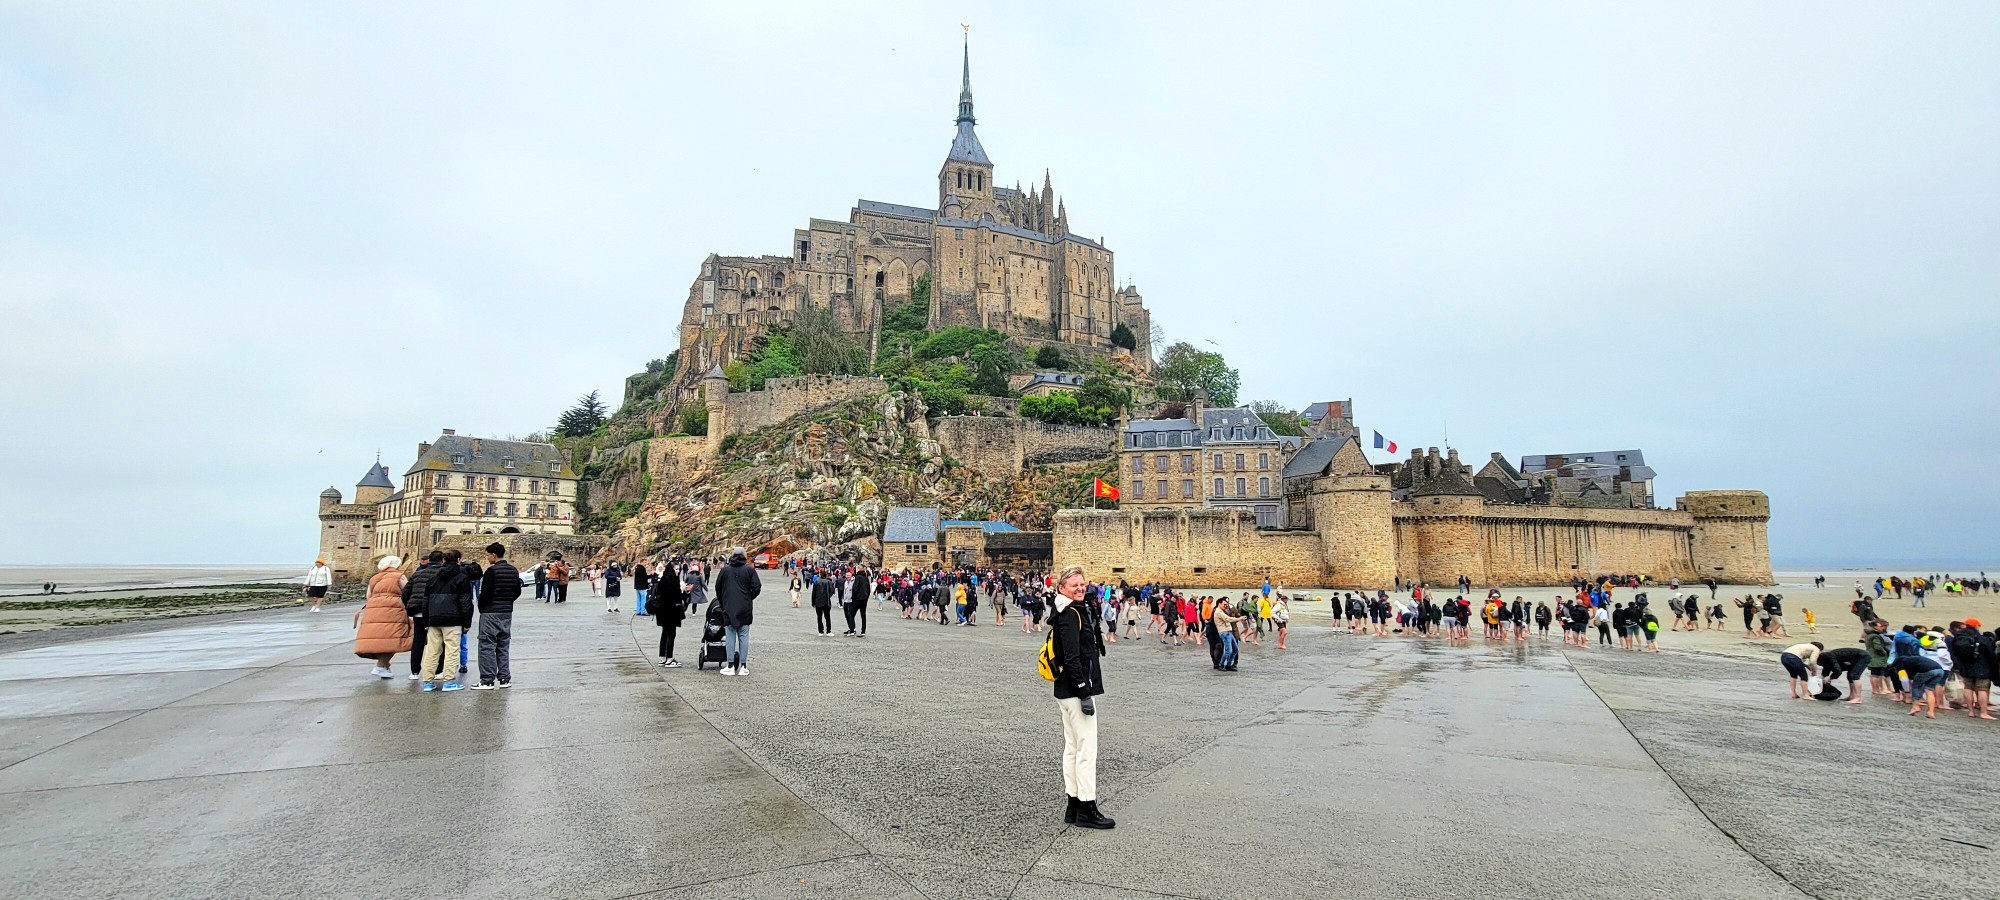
(448,432)
(422,448)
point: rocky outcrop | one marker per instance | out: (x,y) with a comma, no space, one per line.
(825,481)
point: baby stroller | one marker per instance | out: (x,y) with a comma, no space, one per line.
(712,650)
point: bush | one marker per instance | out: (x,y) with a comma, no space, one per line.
(1051,358)
(1121,336)
(1062,408)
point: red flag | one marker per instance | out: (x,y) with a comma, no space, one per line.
(1105,491)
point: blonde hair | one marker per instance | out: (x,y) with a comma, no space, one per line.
(1066,573)
(392,561)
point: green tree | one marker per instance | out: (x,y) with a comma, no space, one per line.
(1121,336)
(583,418)
(694,420)
(821,347)
(1100,391)
(1184,370)
(1047,357)
(905,324)
(1281,418)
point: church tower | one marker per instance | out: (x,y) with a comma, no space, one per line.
(967,174)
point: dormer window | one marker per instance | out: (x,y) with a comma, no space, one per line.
(1236,434)
(458,459)
(507,462)
(555,469)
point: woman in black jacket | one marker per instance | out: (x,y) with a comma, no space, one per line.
(667,605)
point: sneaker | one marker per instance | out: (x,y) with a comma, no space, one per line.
(506,684)
(380,672)
(483,686)
(452,686)
(414,676)
(670,664)
(315,609)
(742,670)
(728,670)
(428,687)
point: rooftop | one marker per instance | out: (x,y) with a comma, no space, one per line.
(486,456)
(911,525)
(895,209)
(988,527)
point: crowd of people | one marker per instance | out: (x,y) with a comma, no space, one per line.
(1927,667)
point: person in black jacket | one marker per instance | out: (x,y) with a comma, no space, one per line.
(416,597)
(736,587)
(1078,645)
(822,602)
(447,610)
(498,590)
(854,601)
(641,583)
(667,605)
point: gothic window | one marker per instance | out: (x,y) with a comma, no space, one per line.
(753,285)
(880,277)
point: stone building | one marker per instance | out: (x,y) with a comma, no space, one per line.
(917,539)
(1208,459)
(458,486)
(1042,384)
(997,257)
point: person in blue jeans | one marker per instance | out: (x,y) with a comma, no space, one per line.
(736,589)
(1225,627)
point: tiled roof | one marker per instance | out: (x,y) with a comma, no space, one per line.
(911,525)
(485,456)
(1063,378)
(1160,425)
(988,527)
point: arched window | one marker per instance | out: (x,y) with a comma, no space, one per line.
(879,276)
(777,280)
(850,284)
(753,285)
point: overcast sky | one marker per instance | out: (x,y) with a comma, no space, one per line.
(243,246)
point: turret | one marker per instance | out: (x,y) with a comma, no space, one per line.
(715,394)
(328,498)
(375,486)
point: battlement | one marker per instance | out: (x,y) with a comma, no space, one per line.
(1726,504)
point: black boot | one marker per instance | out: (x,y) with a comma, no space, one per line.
(1087,816)
(1069,810)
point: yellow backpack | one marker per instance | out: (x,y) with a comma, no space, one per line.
(1045,659)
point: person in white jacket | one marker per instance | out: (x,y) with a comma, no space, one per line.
(318,579)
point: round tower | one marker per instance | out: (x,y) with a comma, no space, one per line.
(715,393)
(1449,543)
(328,499)
(1352,515)
(1729,540)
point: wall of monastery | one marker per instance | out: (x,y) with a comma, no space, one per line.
(1191,548)
(1004,447)
(1551,545)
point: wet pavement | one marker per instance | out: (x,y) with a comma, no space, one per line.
(257,757)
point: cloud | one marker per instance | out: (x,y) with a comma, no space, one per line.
(246,249)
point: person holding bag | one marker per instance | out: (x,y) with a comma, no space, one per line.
(668,606)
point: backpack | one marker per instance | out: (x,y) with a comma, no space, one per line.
(1045,659)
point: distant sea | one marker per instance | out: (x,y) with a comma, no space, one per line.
(16,580)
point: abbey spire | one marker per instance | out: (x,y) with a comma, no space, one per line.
(967,174)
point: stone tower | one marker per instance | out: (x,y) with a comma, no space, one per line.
(347,530)
(1730,543)
(715,394)
(1449,543)
(1353,516)
(967,175)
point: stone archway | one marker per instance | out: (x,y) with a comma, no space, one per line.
(510,530)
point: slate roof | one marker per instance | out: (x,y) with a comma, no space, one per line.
(378,476)
(1318,411)
(911,525)
(1160,425)
(1066,379)
(1230,418)
(485,456)
(996,225)
(965,146)
(1546,461)
(895,209)
(1313,458)
(988,527)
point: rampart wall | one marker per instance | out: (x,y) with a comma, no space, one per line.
(1004,448)
(1365,541)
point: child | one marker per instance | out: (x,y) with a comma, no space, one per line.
(1812,621)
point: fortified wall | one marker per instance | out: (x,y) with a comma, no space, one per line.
(781,399)
(1004,448)
(1364,540)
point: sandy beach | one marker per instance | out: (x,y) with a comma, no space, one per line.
(103,595)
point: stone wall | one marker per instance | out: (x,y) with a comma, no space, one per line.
(1366,541)
(1004,448)
(1192,548)
(783,398)
(1729,537)
(523,550)
(667,458)
(347,540)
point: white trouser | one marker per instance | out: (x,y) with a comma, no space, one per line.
(1079,759)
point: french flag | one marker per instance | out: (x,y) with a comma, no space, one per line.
(1382,443)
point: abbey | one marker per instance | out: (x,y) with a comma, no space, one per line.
(996,257)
